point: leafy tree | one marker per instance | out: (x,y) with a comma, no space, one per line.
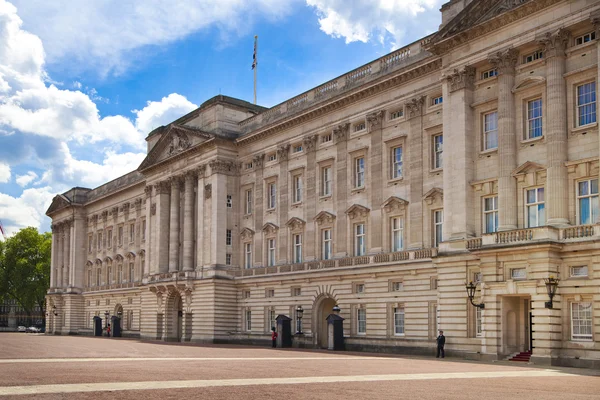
(25,268)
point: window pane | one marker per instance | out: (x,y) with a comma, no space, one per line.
(584,211)
(594,186)
(531,196)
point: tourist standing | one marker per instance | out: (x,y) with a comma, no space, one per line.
(441,341)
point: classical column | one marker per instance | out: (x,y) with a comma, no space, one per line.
(220,171)
(188,221)
(61,254)
(340,133)
(557,195)
(200,196)
(310,193)
(415,172)
(148,245)
(458,163)
(505,62)
(283,152)
(161,230)
(53,259)
(67,254)
(174,224)
(377,176)
(259,201)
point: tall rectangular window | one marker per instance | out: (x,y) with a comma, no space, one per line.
(248,197)
(586,103)
(438,150)
(272,317)
(327,242)
(438,222)
(228,259)
(228,237)
(326,180)
(120,236)
(536,208)
(248,320)
(131,272)
(396,162)
(297,195)
(399,321)
(131,233)
(272,195)
(89,279)
(587,199)
(359,240)
(109,239)
(397,233)
(248,255)
(581,321)
(490,214)
(478,329)
(143,229)
(359,172)
(98,277)
(99,243)
(534,119)
(490,131)
(229,201)
(271,252)
(90,242)
(297,248)
(361,318)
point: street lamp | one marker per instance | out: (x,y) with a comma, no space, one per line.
(299,313)
(551,286)
(336,310)
(471,287)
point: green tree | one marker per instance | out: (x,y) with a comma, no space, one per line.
(25,268)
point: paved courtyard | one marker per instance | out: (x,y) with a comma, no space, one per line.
(58,367)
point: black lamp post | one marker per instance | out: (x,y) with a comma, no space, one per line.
(471,287)
(299,313)
(106,314)
(551,286)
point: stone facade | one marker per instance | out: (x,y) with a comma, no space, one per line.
(471,155)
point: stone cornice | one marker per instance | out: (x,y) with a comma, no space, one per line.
(201,147)
(384,83)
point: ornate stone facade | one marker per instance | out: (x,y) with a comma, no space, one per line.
(471,155)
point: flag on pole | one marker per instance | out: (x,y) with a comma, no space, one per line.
(254,54)
(2,230)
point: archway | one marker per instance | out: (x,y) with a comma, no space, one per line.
(118,312)
(323,308)
(174,317)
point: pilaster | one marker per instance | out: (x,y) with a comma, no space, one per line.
(259,201)
(341,136)
(283,152)
(188,221)
(200,212)
(67,254)
(174,224)
(505,62)
(377,176)
(415,171)
(54,257)
(149,224)
(161,239)
(310,197)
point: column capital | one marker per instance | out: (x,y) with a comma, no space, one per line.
(555,43)
(258,160)
(310,143)
(415,106)
(176,182)
(595,18)
(463,78)
(162,187)
(148,191)
(283,152)
(224,167)
(505,60)
(341,132)
(375,119)
(190,176)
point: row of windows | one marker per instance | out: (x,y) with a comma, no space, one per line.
(119,276)
(104,241)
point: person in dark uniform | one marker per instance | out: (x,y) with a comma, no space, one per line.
(441,341)
(274,337)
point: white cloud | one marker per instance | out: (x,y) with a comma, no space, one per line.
(25,180)
(26,210)
(158,113)
(4,173)
(387,21)
(109,30)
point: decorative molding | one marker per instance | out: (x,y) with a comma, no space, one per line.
(310,143)
(415,106)
(463,78)
(201,171)
(341,132)
(270,228)
(247,234)
(555,43)
(375,119)
(295,224)
(394,203)
(207,191)
(223,167)
(148,191)
(190,175)
(595,19)
(163,187)
(105,215)
(258,161)
(125,207)
(505,60)
(283,152)
(175,182)
(356,210)
(138,204)
(324,217)
(153,209)
(179,142)
(432,195)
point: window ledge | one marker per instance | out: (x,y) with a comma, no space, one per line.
(358,190)
(436,170)
(581,47)
(583,129)
(435,107)
(528,142)
(297,204)
(395,180)
(541,61)
(486,81)
(325,197)
(488,152)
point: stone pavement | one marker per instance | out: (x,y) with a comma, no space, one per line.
(58,367)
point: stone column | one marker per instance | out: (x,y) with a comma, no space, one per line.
(341,192)
(67,254)
(310,197)
(505,61)
(149,243)
(61,254)
(377,176)
(283,152)
(174,224)
(596,22)
(415,172)
(161,230)
(220,171)
(458,163)
(557,196)
(259,201)
(53,259)
(200,210)
(188,221)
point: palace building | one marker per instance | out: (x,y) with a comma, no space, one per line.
(471,155)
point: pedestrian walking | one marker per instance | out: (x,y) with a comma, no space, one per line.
(441,341)
(274,337)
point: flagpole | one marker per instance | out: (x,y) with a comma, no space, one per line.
(255,63)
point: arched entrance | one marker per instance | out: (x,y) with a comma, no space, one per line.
(174,318)
(118,312)
(323,307)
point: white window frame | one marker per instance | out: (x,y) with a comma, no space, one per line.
(271,195)
(99,241)
(438,227)
(585,38)
(535,114)
(228,237)
(360,239)
(109,239)
(326,138)
(437,100)
(438,151)
(493,212)
(360,126)
(228,259)
(518,274)
(533,56)
(326,180)
(579,271)
(589,106)
(536,208)
(229,201)
(272,157)
(490,130)
(478,322)
(120,235)
(361,321)
(249,200)
(297,188)
(591,196)
(397,233)
(271,249)
(297,247)
(397,162)
(247,255)
(272,319)
(359,288)
(573,313)
(131,232)
(489,73)
(143,232)
(327,244)
(399,316)
(397,286)
(397,114)
(359,172)
(297,148)
(248,320)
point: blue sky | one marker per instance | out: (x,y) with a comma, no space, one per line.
(82,83)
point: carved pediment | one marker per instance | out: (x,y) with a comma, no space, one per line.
(270,229)
(295,224)
(530,172)
(527,167)
(356,210)
(175,139)
(394,204)
(433,194)
(529,82)
(108,260)
(324,217)
(247,234)
(58,203)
